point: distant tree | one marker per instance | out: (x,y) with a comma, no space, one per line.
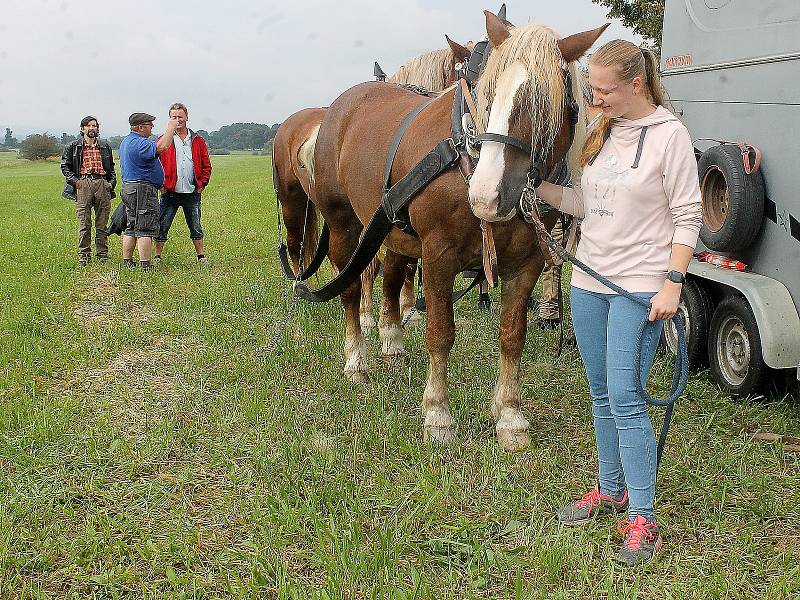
(114,141)
(66,139)
(645,17)
(9,141)
(39,146)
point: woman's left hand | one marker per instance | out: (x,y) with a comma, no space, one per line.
(664,304)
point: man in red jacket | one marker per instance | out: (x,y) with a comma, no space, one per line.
(187,170)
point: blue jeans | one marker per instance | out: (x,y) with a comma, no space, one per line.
(606,327)
(170,202)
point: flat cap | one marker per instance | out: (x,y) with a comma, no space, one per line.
(139,118)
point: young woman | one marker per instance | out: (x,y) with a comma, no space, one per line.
(640,204)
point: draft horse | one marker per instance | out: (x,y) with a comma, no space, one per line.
(292,173)
(523,92)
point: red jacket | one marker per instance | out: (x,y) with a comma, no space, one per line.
(202,164)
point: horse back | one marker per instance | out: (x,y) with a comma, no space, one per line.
(354,140)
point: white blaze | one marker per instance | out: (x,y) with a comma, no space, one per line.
(484,185)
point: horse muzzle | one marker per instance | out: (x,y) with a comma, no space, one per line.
(492,211)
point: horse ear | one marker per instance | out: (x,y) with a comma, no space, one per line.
(501,14)
(460,53)
(496,29)
(575,46)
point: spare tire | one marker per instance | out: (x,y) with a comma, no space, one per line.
(733,201)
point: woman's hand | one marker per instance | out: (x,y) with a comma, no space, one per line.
(664,304)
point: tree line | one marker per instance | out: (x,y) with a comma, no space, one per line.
(237,136)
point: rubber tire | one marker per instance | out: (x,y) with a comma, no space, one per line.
(737,308)
(721,172)
(696,301)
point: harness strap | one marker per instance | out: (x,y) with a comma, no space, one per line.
(316,262)
(422,306)
(504,139)
(437,161)
(473,110)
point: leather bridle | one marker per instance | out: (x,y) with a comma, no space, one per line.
(535,171)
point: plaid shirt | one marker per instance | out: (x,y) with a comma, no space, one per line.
(92,163)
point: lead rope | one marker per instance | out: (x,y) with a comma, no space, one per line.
(680,376)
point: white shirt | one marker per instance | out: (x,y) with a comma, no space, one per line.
(185,164)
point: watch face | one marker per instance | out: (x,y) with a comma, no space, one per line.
(676,277)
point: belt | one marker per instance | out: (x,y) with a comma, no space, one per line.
(92,176)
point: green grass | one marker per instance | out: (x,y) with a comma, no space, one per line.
(149,447)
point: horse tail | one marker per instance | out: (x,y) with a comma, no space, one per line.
(305,157)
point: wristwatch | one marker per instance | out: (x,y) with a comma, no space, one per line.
(676,277)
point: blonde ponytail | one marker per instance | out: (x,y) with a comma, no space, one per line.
(630,61)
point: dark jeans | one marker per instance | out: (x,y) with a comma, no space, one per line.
(170,202)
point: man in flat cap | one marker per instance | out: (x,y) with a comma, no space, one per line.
(142,177)
(88,166)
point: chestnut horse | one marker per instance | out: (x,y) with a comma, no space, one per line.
(292,157)
(523,92)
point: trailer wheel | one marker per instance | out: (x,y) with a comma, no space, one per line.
(733,201)
(734,348)
(695,309)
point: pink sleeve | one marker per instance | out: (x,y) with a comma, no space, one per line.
(572,202)
(682,188)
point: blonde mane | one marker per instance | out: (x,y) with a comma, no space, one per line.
(432,70)
(542,97)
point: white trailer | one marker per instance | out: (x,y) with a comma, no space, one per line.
(732,71)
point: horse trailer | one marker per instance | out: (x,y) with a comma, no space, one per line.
(731,68)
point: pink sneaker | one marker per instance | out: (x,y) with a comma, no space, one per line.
(589,506)
(641,541)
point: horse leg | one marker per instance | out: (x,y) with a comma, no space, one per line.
(294,204)
(407,296)
(512,426)
(438,277)
(343,242)
(367,283)
(390,327)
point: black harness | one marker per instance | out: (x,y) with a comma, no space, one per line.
(393,211)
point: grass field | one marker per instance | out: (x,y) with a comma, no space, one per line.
(150,447)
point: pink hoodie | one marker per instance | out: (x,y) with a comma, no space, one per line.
(638,196)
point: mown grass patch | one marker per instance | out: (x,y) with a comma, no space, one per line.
(150,447)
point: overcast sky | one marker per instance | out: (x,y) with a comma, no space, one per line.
(240,60)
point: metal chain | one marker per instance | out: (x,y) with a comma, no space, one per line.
(282,326)
(284,322)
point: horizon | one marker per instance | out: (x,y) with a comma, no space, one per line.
(262,60)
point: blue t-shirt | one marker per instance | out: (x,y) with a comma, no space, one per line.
(139,160)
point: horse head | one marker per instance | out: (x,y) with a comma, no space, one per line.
(530,106)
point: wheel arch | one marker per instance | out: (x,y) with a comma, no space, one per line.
(774,310)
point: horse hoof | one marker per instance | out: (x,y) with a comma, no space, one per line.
(513,441)
(442,436)
(512,430)
(357,377)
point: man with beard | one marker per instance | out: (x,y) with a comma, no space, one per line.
(88,166)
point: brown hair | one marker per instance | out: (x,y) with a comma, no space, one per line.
(179,106)
(630,61)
